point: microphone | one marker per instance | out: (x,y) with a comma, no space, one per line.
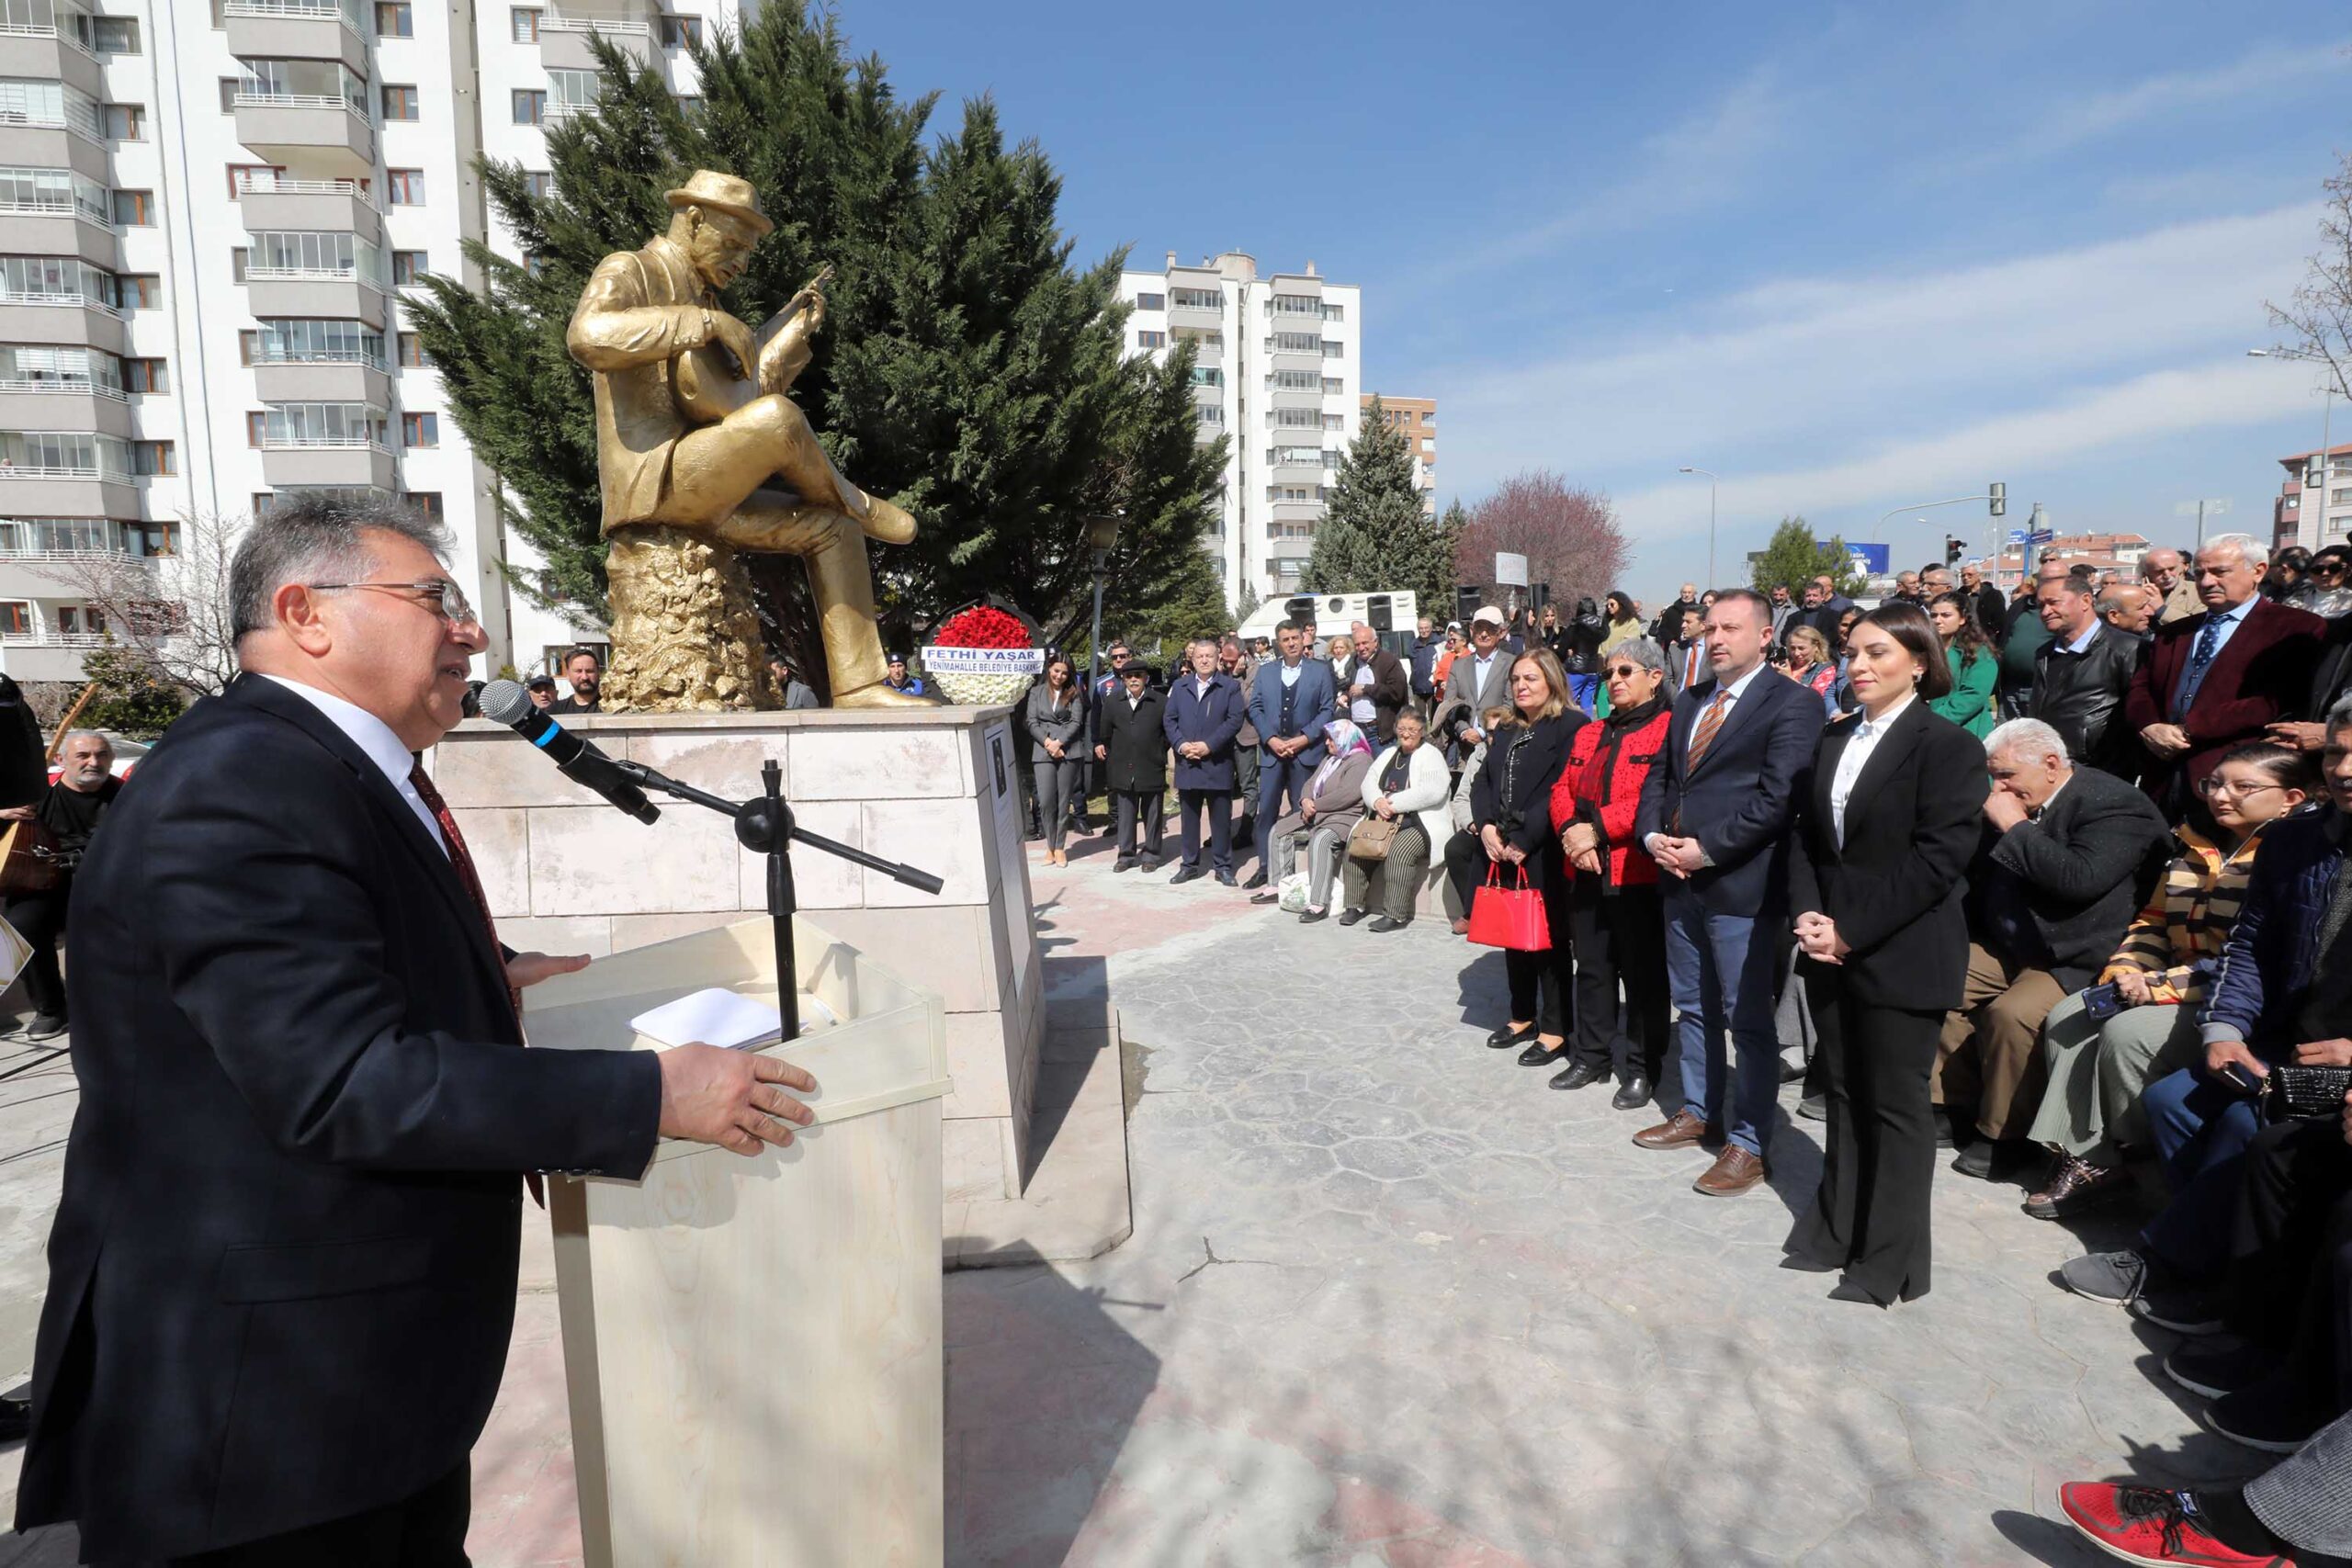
(578,761)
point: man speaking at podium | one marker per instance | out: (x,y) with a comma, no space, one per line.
(282,1273)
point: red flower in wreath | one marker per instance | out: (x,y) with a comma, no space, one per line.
(982,627)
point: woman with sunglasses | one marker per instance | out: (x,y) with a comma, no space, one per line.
(2106,1045)
(1614,913)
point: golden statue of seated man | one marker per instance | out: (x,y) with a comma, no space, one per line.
(693,435)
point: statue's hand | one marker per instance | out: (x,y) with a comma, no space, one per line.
(785,356)
(734,337)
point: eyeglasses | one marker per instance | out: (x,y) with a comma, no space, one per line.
(2214,785)
(2327,568)
(445,596)
(1623,672)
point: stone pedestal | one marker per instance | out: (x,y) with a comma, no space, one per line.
(936,789)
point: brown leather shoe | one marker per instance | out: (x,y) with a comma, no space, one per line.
(1735,1172)
(1678,1132)
(2076,1185)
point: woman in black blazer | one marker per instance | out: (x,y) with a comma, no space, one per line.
(1511,806)
(1883,833)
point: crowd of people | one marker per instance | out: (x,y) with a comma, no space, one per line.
(2054,882)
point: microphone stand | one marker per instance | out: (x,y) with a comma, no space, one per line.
(763,824)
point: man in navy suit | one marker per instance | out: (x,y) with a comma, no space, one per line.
(1203,715)
(1716,816)
(1290,703)
(281,1277)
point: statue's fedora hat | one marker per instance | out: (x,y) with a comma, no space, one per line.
(721,193)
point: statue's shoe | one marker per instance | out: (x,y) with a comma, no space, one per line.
(881,695)
(887,523)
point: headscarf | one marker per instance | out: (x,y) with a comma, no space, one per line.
(1342,738)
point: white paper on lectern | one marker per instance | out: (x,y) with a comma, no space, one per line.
(715,1016)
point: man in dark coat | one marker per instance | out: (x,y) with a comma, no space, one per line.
(1133,750)
(1375,687)
(282,1273)
(2081,676)
(1202,717)
(71,810)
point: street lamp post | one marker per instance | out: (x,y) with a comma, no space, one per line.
(1712,478)
(2326,420)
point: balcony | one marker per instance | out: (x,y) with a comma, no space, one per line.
(271,202)
(275,293)
(321,381)
(352,464)
(37,574)
(53,53)
(297,29)
(28,491)
(46,655)
(64,320)
(318,131)
(50,402)
(62,231)
(564,38)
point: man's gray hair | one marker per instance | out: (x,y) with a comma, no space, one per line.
(1642,651)
(71,736)
(2339,716)
(2029,734)
(2251,550)
(317,538)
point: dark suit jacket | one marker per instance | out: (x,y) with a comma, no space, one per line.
(1391,688)
(1514,791)
(1311,707)
(1895,888)
(1217,721)
(2079,872)
(1136,746)
(282,1271)
(2262,675)
(1740,803)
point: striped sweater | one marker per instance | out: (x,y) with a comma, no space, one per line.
(2177,939)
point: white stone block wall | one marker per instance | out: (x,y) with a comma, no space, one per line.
(566,873)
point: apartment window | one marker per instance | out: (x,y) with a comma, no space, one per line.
(134,209)
(530,105)
(57,280)
(69,620)
(524,20)
(405,186)
(408,267)
(400,103)
(1209,413)
(1151,340)
(395,18)
(146,375)
(1297,419)
(1208,336)
(1209,376)
(163,538)
(114,35)
(126,123)
(1334,350)
(1151,301)
(16,618)
(1334,387)
(140,291)
(540,183)
(681,32)
(420,430)
(1293,380)
(1334,312)
(689,104)
(154,458)
(1335,421)
(426,501)
(244,177)
(573,88)
(1294,305)
(310,341)
(229,86)
(239,257)
(2340,498)
(57,191)
(534,264)
(412,350)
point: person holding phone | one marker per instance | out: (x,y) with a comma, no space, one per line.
(2103,1046)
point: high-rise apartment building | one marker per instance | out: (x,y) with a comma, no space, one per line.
(1415,420)
(212,210)
(2314,504)
(1278,369)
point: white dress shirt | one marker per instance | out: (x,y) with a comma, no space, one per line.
(1859,747)
(374,737)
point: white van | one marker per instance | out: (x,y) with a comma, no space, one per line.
(1391,613)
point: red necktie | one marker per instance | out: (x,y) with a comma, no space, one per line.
(462,861)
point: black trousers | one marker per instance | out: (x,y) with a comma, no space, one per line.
(1128,806)
(2291,1258)
(426,1530)
(39,918)
(1466,867)
(1620,941)
(1217,804)
(1540,982)
(1879,1168)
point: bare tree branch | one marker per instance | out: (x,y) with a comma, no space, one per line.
(2316,321)
(1569,534)
(173,610)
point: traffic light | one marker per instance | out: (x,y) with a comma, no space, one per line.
(1952,551)
(1999,493)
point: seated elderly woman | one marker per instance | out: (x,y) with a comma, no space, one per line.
(2104,1045)
(1329,808)
(1406,785)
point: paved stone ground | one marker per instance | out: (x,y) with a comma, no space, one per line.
(1392,1304)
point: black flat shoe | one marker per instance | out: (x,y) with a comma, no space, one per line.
(1539,1054)
(1814,1107)
(1261,898)
(1309,917)
(1632,1094)
(1384,925)
(1506,1037)
(1186,873)
(1847,1290)
(1580,1075)
(1257,879)
(1351,917)
(1797,1262)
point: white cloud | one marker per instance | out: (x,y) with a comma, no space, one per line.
(2256,79)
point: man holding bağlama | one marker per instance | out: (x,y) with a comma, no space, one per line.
(282,1271)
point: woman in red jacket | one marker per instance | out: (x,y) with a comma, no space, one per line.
(1613,906)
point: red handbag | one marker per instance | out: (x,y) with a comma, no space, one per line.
(1511,918)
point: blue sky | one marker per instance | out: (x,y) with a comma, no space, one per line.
(1851,257)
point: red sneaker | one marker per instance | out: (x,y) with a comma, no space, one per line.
(2150,1524)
